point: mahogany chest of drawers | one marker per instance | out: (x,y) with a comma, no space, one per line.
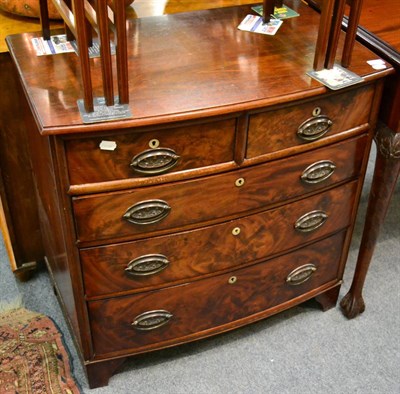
(229,196)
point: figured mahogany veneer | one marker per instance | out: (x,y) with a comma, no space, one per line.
(100,217)
(276,130)
(255,290)
(87,163)
(246,221)
(212,249)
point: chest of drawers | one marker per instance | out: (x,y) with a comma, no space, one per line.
(216,205)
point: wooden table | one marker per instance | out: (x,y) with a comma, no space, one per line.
(380,31)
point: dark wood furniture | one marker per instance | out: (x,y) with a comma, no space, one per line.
(230,195)
(19,221)
(381,33)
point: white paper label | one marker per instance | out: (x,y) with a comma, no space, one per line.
(377,64)
(108,145)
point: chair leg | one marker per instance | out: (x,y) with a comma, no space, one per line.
(44,19)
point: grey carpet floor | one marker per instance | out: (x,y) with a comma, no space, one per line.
(300,351)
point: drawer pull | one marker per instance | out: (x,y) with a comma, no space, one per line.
(301,274)
(318,172)
(154,161)
(310,221)
(147,265)
(147,212)
(314,128)
(151,320)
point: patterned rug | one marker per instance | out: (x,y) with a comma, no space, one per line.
(33,359)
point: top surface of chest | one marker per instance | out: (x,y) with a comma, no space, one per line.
(185,66)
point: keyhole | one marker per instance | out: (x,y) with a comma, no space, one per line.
(236,231)
(316,111)
(239,182)
(154,143)
(232,280)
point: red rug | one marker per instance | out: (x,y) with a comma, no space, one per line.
(33,359)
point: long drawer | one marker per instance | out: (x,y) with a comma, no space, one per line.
(274,130)
(160,261)
(150,210)
(162,317)
(150,153)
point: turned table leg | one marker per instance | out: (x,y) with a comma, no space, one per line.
(387,168)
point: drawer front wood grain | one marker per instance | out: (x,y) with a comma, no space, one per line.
(210,303)
(165,207)
(137,265)
(273,131)
(149,153)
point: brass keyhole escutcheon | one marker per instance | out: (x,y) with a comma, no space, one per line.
(154,143)
(239,182)
(317,111)
(236,231)
(232,280)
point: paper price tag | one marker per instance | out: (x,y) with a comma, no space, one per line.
(108,145)
(56,44)
(283,12)
(254,24)
(377,64)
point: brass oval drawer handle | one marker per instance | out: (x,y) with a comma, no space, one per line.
(318,172)
(147,212)
(154,161)
(314,128)
(149,264)
(151,320)
(310,221)
(301,274)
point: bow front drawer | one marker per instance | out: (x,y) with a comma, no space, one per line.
(303,123)
(156,262)
(160,318)
(136,212)
(150,153)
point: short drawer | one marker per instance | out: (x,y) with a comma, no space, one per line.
(159,318)
(113,157)
(302,123)
(160,261)
(141,211)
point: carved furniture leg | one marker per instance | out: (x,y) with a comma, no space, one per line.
(328,299)
(99,373)
(387,168)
